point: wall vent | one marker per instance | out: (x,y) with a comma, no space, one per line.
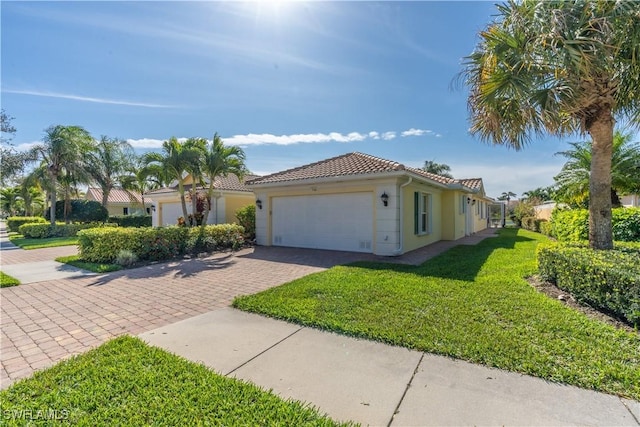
(365,244)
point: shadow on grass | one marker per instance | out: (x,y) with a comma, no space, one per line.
(462,262)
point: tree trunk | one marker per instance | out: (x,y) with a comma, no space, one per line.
(105,197)
(183,202)
(600,227)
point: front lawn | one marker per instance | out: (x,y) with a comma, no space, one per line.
(470,303)
(50,242)
(6,280)
(76,261)
(126,382)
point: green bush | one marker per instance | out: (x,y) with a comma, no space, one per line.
(14,222)
(532,223)
(153,244)
(607,280)
(126,258)
(573,225)
(131,220)
(60,229)
(81,211)
(546,228)
(247,219)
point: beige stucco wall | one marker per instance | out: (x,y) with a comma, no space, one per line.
(228,202)
(234,202)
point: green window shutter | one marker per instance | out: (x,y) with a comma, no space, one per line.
(416,212)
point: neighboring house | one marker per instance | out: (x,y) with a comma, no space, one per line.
(361,203)
(630,201)
(121,202)
(544,210)
(230,195)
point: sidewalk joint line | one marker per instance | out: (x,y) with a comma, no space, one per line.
(413,375)
(630,411)
(264,351)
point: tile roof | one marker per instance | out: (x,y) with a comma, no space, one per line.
(473,183)
(345,165)
(224,183)
(116,195)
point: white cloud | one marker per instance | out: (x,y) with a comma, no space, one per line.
(388,136)
(26,146)
(87,98)
(374,135)
(415,132)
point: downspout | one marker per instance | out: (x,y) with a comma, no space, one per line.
(400,248)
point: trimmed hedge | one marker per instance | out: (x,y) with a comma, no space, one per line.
(154,244)
(131,220)
(247,218)
(60,229)
(573,225)
(607,280)
(81,211)
(14,222)
(532,223)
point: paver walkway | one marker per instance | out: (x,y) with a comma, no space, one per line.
(42,323)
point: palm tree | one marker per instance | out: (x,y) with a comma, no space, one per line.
(506,195)
(141,178)
(62,153)
(220,160)
(441,169)
(537,195)
(559,67)
(9,197)
(107,162)
(176,160)
(30,193)
(573,179)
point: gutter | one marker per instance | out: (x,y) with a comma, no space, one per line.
(400,247)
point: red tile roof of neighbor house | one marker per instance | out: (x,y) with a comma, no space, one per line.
(116,195)
(223,183)
(346,165)
(473,183)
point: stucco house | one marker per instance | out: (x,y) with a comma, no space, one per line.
(361,203)
(230,195)
(121,202)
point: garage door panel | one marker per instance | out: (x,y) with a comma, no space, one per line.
(339,222)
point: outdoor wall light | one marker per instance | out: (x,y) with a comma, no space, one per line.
(259,204)
(153,208)
(385,198)
(474,202)
(468,200)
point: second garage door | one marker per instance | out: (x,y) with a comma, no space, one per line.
(335,221)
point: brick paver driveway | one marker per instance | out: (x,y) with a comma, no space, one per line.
(42,323)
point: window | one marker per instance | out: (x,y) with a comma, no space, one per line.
(148,211)
(463,204)
(125,211)
(422,213)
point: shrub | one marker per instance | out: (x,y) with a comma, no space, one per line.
(532,223)
(126,258)
(102,245)
(14,222)
(546,228)
(131,220)
(43,231)
(247,219)
(607,280)
(81,211)
(573,225)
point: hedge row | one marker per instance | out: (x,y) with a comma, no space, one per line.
(532,223)
(131,220)
(573,225)
(607,280)
(43,231)
(14,222)
(154,244)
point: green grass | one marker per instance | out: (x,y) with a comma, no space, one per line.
(51,242)
(126,382)
(471,303)
(76,261)
(6,280)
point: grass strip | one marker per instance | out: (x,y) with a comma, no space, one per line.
(7,281)
(50,242)
(126,382)
(76,261)
(471,303)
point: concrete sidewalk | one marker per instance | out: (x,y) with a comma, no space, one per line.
(380,385)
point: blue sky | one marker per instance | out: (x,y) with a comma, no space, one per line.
(292,83)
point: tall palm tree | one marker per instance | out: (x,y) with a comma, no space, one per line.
(220,160)
(62,152)
(573,179)
(559,67)
(441,169)
(107,162)
(140,178)
(9,198)
(539,194)
(31,194)
(176,160)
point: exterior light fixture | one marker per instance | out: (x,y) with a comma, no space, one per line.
(259,204)
(468,200)
(385,198)
(153,208)
(474,202)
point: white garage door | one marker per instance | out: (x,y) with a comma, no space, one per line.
(170,213)
(338,221)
